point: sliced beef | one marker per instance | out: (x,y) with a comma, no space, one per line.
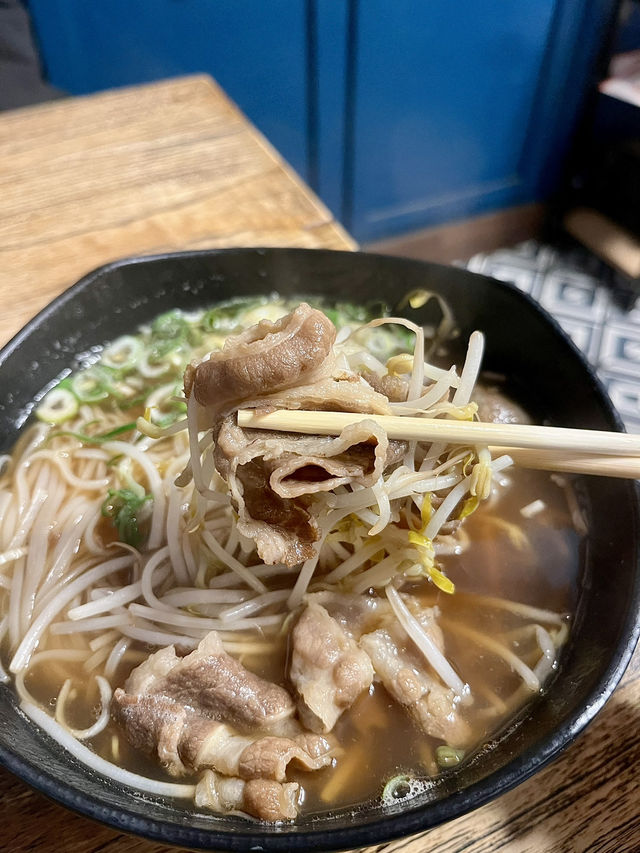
(268,757)
(262,798)
(345,392)
(283,529)
(291,351)
(272,477)
(205,711)
(495,407)
(408,679)
(327,669)
(270,800)
(356,614)
(165,729)
(153,725)
(185,741)
(212,682)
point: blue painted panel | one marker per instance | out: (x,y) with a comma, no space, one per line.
(255,50)
(331,28)
(400,114)
(443,105)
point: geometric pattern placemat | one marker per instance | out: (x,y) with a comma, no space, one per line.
(592,305)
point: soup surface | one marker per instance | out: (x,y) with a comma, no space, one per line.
(104,560)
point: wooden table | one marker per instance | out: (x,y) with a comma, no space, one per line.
(174,165)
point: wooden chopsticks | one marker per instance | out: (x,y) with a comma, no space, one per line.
(610,454)
(627,467)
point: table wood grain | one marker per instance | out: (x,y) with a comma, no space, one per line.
(168,166)
(172,166)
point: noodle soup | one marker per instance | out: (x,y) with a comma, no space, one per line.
(122,535)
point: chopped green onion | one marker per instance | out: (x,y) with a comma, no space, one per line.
(170,325)
(447,756)
(168,332)
(132,402)
(346,314)
(397,788)
(123,507)
(122,391)
(160,348)
(164,421)
(90,386)
(122,354)
(224,317)
(99,438)
(58,406)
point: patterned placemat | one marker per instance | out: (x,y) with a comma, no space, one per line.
(592,304)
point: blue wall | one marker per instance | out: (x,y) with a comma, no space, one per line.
(254,49)
(400,113)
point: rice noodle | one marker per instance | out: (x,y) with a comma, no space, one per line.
(254,605)
(15,602)
(10,556)
(98,623)
(108,638)
(68,475)
(174,536)
(218,551)
(115,656)
(186,569)
(71,655)
(101,765)
(32,636)
(154,637)
(27,520)
(189,597)
(202,623)
(107,602)
(103,718)
(547,662)
(146,581)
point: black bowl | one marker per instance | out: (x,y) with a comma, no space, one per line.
(554,380)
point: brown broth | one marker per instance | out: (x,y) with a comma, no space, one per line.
(377,738)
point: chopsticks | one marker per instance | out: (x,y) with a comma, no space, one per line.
(610,454)
(627,467)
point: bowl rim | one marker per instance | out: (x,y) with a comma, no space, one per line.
(386,827)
